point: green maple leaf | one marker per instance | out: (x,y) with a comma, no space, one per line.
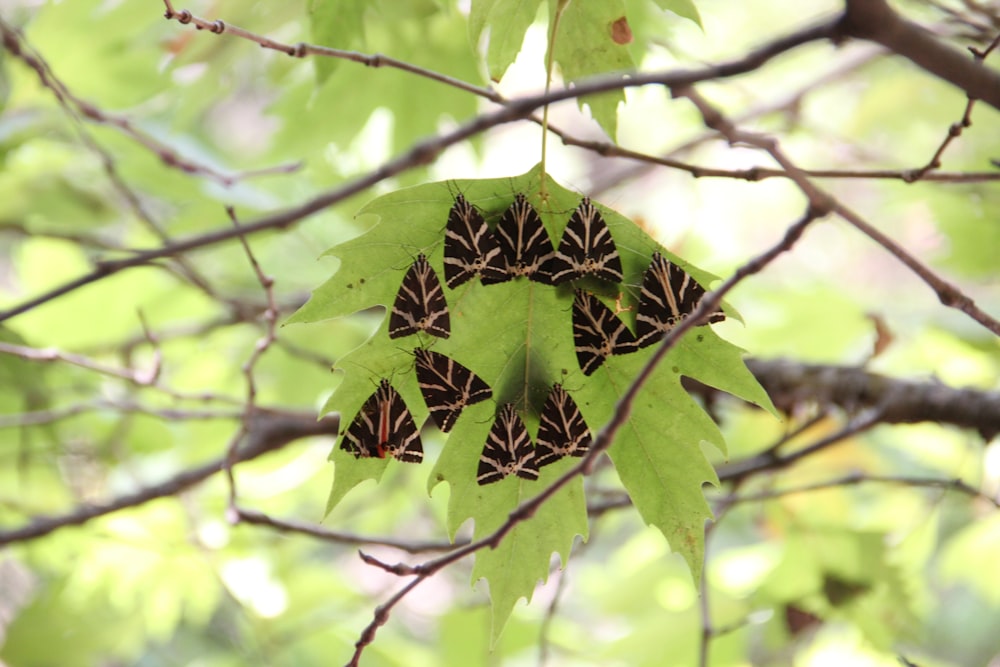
(338,24)
(517,336)
(683,8)
(508,21)
(585,46)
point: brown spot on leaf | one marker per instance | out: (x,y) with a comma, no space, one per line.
(621,32)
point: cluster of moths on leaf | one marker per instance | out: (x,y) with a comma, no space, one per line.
(524,336)
(519,248)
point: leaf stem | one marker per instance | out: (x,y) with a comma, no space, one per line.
(549,61)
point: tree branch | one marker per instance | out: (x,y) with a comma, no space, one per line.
(290,526)
(875,21)
(426,151)
(855,479)
(790,384)
(302,49)
(947,293)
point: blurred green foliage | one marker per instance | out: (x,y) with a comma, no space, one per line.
(857,573)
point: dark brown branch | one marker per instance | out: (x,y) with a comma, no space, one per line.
(875,21)
(792,384)
(270,431)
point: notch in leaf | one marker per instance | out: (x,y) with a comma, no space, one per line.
(508,449)
(420,304)
(384,427)
(562,431)
(586,249)
(597,332)
(470,248)
(448,387)
(669,294)
(524,243)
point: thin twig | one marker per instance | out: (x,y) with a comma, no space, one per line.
(13,43)
(51,354)
(788,436)
(738,470)
(954,132)
(290,526)
(302,49)
(142,378)
(399,569)
(955,129)
(269,433)
(52,415)
(853,479)
(78,110)
(262,345)
(550,614)
(947,293)
(426,151)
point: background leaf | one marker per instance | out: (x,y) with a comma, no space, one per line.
(338,24)
(585,46)
(506,21)
(856,574)
(684,8)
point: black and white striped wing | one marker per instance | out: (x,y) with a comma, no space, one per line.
(524,243)
(447,386)
(470,249)
(420,304)
(562,431)
(669,294)
(586,249)
(508,449)
(597,332)
(362,435)
(384,426)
